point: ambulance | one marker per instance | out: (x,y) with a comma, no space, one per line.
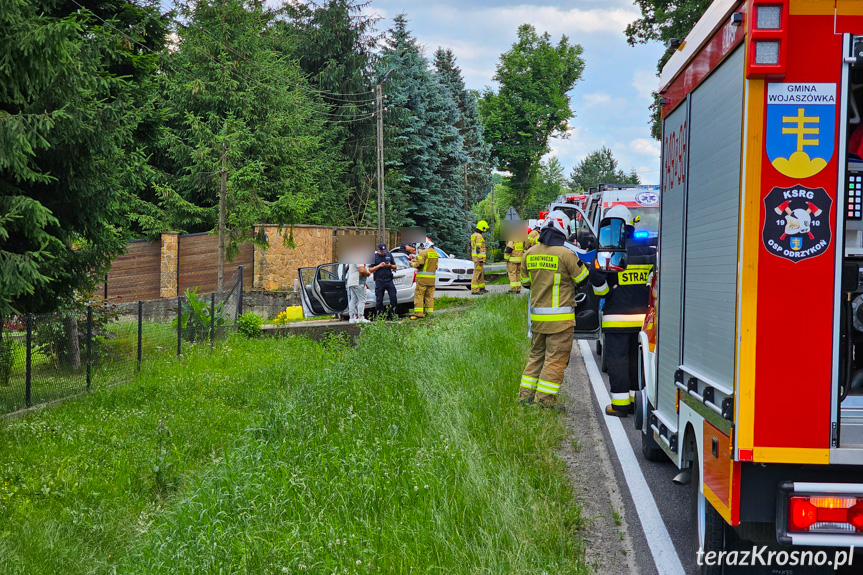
(751,379)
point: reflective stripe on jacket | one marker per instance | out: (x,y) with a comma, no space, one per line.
(426,264)
(516,253)
(552,274)
(626,296)
(477,245)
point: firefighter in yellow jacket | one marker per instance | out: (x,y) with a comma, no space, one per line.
(532,238)
(513,254)
(552,273)
(426,264)
(477,254)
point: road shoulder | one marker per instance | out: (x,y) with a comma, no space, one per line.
(608,544)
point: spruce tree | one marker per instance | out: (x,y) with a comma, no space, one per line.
(239,106)
(333,42)
(74,83)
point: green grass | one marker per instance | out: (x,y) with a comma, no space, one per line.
(288,456)
(502,279)
(450,302)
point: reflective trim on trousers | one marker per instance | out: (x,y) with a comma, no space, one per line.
(528,382)
(425,275)
(514,284)
(547,387)
(621,399)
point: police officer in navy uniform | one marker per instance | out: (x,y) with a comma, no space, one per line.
(626,298)
(383,267)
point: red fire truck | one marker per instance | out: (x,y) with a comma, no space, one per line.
(752,380)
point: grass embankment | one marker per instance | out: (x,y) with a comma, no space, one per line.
(406,453)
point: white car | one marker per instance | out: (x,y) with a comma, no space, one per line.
(451,271)
(325,293)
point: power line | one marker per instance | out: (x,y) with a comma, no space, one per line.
(328,115)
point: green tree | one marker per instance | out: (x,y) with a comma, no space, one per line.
(424,151)
(662,20)
(334,42)
(532,104)
(73,83)
(599,167)
(550,183)
(246,132)
(471,176)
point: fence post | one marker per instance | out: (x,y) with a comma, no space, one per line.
(89,342)
(140,326)
(179,326)
(240,296)
(212,318)
(28,369)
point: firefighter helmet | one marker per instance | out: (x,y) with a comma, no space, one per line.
(621,213)
(557,220)
(482,225)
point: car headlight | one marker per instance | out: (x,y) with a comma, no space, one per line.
(447,270)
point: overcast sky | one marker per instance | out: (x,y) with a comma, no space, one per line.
(610,102)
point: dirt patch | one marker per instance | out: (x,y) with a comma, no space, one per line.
(608,546)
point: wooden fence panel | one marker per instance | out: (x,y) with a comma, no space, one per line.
(135,275)
(198,263)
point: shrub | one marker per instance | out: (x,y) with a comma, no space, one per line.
(195,317)
(249,324)
(10,350)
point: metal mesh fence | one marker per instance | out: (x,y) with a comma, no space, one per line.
(44,357)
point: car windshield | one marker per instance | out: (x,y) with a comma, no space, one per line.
(649,219)
(440,252)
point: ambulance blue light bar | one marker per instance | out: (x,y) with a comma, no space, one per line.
(641,235)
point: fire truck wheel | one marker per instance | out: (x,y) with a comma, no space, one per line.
(599,347)
(709,528)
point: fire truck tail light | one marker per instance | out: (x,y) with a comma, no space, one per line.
(767,52)
(801,514)
(768,17)
(813,514)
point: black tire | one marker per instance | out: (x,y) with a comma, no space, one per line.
(599,347)
(712,534)
(650,449)
(404,308)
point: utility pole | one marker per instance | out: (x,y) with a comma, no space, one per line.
(382,228)
(223,192)
(382,214)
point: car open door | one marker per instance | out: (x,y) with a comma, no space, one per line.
(586,302)
(323,290)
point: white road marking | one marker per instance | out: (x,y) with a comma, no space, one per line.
(658,540)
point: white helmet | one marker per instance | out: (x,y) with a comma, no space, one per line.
(557,220)
(621,213)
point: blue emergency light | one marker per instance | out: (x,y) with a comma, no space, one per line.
(641,235)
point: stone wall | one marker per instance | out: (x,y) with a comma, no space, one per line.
(276,266)
(170,262)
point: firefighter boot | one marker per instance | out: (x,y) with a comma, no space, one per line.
(609,410)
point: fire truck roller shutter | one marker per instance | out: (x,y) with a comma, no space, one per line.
(670,259)
(712,218)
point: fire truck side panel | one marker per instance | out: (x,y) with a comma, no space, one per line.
(674,181)
(750,233)
(721,473)
(793,375)
(711,236)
